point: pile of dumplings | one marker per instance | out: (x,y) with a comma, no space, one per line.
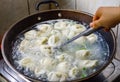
(38,54)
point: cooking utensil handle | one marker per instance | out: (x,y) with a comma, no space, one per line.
(46,2)
(91,30)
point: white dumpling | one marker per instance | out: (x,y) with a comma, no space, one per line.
(52,76)
(44,29)
(35,50)
(88,63)
(60,25)
(82,54)
(27,62)
(60,57)
(71,34)
(41,40)
(30,35)
(73,72)
(57,76)
(48,63)
(55,32)
(64,57)
(92,38)
(63,67)
(24,45)
(78,28)
(46,50)
(39,71)
(81,40)
(65,32)
(54,40)
(68,33)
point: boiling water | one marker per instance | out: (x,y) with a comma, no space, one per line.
(99,50)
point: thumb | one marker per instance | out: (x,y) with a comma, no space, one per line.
(95,24)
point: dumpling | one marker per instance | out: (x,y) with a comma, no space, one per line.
(64,57)
(82,54)
(63,67)
(71,34)
(48,63)
(39,71)
(68,33)
(81,40)
(54,40)
(88,63)
(60,25)
(24,45)
(41,40)
(46,50)
(61,57)
(55,32)
(65,32)
(30,35)
(44,29)
(92,38)
(52,76)
(57,76)
(73,72)
(27,62)
(77,28)
(29,46)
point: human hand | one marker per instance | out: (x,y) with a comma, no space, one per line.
(106,17)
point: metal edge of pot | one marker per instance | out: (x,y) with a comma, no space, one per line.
(26,78)
(7,62)
(5,58)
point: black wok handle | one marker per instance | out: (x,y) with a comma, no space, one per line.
(46,2)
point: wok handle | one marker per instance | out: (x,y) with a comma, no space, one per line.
(46,2)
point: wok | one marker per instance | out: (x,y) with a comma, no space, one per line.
(20,26)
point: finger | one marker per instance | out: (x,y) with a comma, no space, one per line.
(91,24)
(97,14)
(95,24)
(95,17)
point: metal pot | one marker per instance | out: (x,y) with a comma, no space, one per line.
(29,21)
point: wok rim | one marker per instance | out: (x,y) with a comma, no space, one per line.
(26,78)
